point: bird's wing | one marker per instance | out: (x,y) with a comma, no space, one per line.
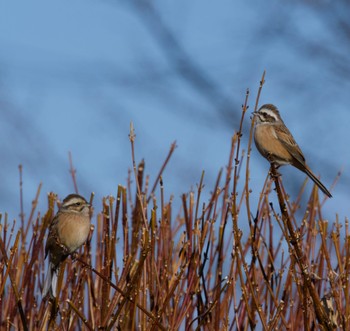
(286,138)
(51,238)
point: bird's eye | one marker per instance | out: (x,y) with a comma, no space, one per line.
(78,204)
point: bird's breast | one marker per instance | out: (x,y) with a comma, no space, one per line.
(73,231)
(268,144)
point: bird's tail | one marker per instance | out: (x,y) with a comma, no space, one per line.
(317,182)
(50,284)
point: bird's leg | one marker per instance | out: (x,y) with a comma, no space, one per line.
(273,170)
(274,166)
(271,158)
(74,255)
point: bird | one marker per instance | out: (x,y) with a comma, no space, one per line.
(68,231)
(275,143)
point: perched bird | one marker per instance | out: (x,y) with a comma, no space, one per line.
(276,143)
(68,231)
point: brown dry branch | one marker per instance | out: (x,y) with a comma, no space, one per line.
(293,238)
(145,267)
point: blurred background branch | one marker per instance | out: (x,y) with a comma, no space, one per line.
(179,71)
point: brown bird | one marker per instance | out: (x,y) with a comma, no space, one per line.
(68,231)
(277,145)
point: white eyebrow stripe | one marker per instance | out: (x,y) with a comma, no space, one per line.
(72,202)
(269,112)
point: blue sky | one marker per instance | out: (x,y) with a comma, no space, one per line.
(73,75)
